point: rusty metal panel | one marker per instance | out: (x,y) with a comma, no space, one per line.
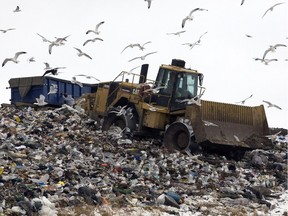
(153,119)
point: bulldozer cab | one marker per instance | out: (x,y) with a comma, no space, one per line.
(174,86)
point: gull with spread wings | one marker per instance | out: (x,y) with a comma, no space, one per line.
(14,59)
(88,77)
(272,48)
(142,57)
(243,101)
(53,71)
(96,31)
(92,40)
(81,53)
(6,30)
(272,105)
(176,33)
(190,17)
(272,8)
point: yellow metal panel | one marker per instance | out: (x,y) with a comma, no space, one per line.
(101,100)
(154,119)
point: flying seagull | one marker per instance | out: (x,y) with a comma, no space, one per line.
(190,17)
(176,33)
(47,66)
(272,48)
(88,77)
(6,30)
(142,47)
(53,71)
(32,59)
(191,45)
(76,81)
(149,3)
(53,89)
(142,57)
(243,101)
(17,9)
(92,40)
(14,59)
(80,53)
(96,31)
(57,42)
(41,101)
(272,105)
(272,8)
(265,61)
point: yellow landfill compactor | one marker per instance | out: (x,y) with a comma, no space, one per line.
(171,107)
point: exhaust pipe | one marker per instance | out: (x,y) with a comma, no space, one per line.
(143,73)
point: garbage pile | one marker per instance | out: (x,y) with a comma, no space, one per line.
(59,162)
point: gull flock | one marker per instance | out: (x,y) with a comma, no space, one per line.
(96,32)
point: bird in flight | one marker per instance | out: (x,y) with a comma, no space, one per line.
(272,105)
(176,33)
(6,30)
(88,77)
(32,59)
(136,45)
(243,101)
(81,53)
(96,31)
(41,100)
(75,81)
(142,57)
(57,42)
(53,89)
(190,17)
(53,71)
(272,8)
(265,61)
(149,3)
(272,48)
(191,45)
(92,40)
(14,59)
(17,9)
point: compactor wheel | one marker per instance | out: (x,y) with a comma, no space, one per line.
(122,120)
(180,136)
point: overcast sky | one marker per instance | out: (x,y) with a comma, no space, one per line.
(225,55)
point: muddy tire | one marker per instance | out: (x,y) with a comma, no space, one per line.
(122,121)
(179,136)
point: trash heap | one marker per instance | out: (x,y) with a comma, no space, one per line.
(59,162)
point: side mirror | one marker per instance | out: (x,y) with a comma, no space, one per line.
(201,77)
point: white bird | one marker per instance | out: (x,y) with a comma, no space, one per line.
(208,123)
(154,90)
(14,59)
(41,100)
(272,8)
(53,89)
(153,108)
(272,105)
(6,30)
(149,3)
(47,66)
(80,53)
(121,111)
(243,101)
(32,59)
(88,77)
(194,100)
(273,137)
(74,81)
(96,31)
(92,40)
(131,46)
(57,42)
(176,33)
(142,57)
(17,9)
(191,45)
(190,17)
(272,48)
(265,61)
